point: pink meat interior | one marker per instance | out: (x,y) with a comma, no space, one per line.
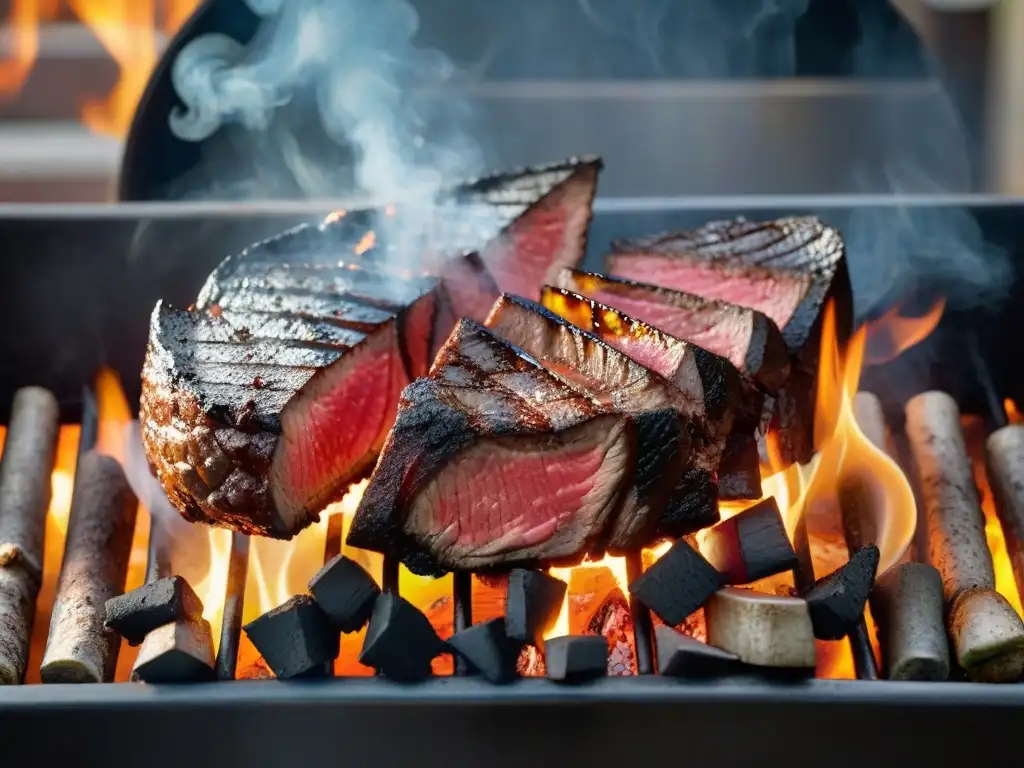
(333,429)
(715,331)
(417,328)
(776,294)
(545,239)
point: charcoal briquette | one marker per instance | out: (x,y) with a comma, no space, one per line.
(345,592)
(836,602)
(575,658)
(400,642)
(295,637)
(683,656)
(488,650)
(178,652)
(532,603)
(679,583)
(751,545)
(135,614)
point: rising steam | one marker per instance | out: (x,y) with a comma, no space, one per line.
(355,65)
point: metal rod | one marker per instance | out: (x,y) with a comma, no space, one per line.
(234,597)
(332,548)
(90,427)
(389,578)
(462,602)
(856,508)
(643,631)
(995,414)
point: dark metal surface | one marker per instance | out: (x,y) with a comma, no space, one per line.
(465,722)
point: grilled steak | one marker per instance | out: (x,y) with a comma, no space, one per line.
(493,461)
(629,387)
(788,269)
(268,400)
(739,474)
(746,337)
(547,210)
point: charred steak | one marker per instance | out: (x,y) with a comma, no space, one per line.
(739,474)
(613,378)
(493,461)
(788,269)
(744,336)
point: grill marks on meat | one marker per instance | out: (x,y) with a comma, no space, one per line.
(733,404)
(627,386)
(494,461)
(549,210)
(788,269)
(747,338)
(265,403)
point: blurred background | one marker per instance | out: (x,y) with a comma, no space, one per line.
(727,103)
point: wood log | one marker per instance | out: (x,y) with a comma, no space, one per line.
(79,649)
(986,637)
(1004,459)
(761,629)
(29,454)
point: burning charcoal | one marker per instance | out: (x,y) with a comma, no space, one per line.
(532,603)
(136,613)
(751,545)
(907,604)
(614,622)
(988,636)
(29,453)
(1005,464)
(99,541)
(400,642)
(178,652)
(677,585)
(954,523)
(345,592)
(574,658)
(488,650)
(296,638)
(682,656)
(837,601)
(763,630)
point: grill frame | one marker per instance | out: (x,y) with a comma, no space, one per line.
(150,251)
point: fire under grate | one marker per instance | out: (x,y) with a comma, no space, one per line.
(605,714)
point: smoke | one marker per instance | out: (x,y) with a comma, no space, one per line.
(347,71)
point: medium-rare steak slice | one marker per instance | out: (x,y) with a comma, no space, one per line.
(493,461)
(747,338)
(544,213)
(263,407)
(788,269)
(739,475)
(613,378)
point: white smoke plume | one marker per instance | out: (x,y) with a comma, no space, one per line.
(353,66)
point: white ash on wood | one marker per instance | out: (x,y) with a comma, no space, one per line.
(29,454)
(907,605)
(1004,454)
(985,637)
(79,649)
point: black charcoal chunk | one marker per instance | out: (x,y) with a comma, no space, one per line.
(295,638)
(751,545)
(678,584)
(400,642)
(488,650)
(836,602)
(345,592)
(135,614)
(179,652)
(532,603)
(682,656)
(575,658)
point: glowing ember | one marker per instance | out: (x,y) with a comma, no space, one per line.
(367,242)
(335,216)
(131,31)
(1012,413)
(893,334)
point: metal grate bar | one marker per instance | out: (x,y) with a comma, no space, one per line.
(234,598)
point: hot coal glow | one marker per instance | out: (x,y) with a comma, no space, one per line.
(596,601)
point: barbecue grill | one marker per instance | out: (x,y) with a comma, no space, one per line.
(84,281)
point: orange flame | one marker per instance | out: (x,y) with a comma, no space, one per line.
(132,33)
(1014,416)
(893,334)
(365,244)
